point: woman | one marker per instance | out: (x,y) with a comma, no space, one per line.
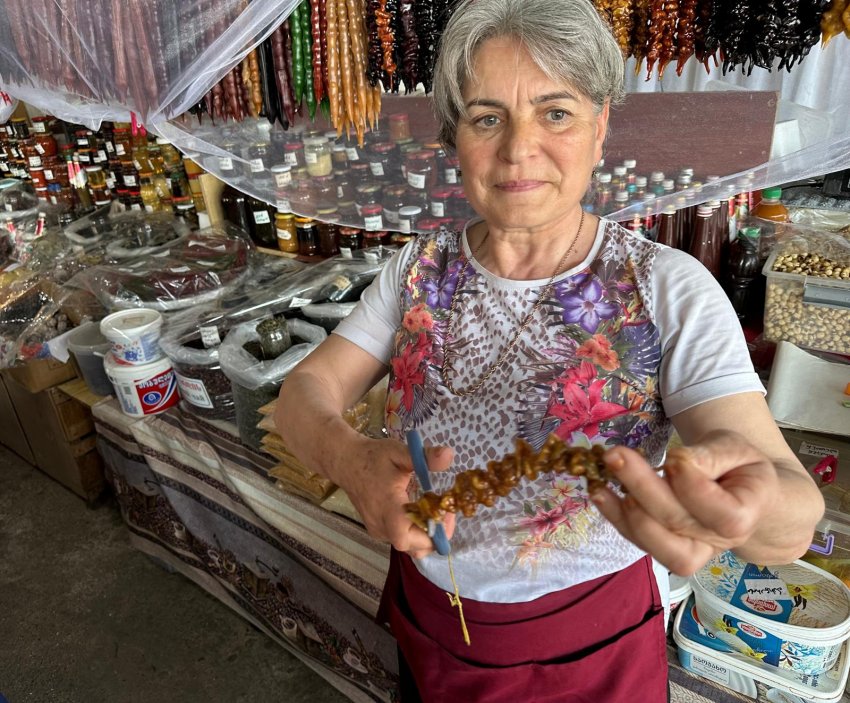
(540,318)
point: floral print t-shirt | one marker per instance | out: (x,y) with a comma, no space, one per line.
(590,368)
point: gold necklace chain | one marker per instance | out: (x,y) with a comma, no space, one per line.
(449,355)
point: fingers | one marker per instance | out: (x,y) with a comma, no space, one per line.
(439,458)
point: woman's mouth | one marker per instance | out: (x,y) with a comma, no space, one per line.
(518,186)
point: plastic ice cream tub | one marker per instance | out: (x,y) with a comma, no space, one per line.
(146,389)
(134,335)
(702,653)
(794,616)
(680,589)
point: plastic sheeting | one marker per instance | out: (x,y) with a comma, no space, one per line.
(91,60)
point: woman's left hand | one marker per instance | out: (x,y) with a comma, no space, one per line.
(711,497)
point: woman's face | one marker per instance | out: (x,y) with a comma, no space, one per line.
(528,144)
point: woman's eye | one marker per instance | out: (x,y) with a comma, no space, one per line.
(487,121)
(557,115)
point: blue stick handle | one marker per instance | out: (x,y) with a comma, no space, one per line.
(420,466)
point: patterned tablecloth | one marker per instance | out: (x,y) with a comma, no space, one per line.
(200,502)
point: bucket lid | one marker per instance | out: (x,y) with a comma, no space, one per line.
(129,323)
(87,339)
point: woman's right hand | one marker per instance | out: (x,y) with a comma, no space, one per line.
(376,482)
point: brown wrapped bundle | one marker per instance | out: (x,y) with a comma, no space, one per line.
(482,487)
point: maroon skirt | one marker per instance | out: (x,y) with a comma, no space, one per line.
(601,641)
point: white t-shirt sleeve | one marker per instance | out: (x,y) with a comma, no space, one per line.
(373,323)
(703,352)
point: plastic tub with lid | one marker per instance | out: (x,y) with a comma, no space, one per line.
(728,662)
(794,616)
(89,347)
(146,389)
(134,335)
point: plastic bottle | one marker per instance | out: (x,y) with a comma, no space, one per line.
(771,207)
(667,231)
(742,271)
(706,245)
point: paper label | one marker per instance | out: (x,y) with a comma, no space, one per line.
(311,157)
(300,302)
(4,167)
(136,206)
(345,253)
(39,148)
(710,669)
(129,181)
(816,450)
(351,153)
(450,175)
(290,157)
(377,168)
(101,154)
(392,216)
(283,179)
(285,235)
(225,163)
(180,269)
(8,207)
(373,223)
(404,225)
(85,159)
(283,205)
(109,147)
(34,161)
(416,180)
(340,193)
(766,589)
(193,391)
(119,149)
(438,209)
(261,217)
(39,127)
(209,336)
(257,166)
(48,174)
(84,142)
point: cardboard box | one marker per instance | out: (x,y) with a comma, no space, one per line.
(810,448)
(11,432)
(38,374)
(59,430)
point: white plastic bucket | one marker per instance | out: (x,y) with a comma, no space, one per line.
(145,389)
(134,335)
(803,623)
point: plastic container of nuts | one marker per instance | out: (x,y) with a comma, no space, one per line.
(808,294)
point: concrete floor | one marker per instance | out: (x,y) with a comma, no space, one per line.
(83,617)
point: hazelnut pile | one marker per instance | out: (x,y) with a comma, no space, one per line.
(811,265)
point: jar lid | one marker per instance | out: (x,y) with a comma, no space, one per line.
(368,188)
(314,141)
(436,146)
(142,174)
(323,179)
(280,215)
(441,192)
(304,221)
(40,168)
(409,211)
(372,209)
(281,168)
(185,206)
(349,231)
(384,147)
(399,117)
(101,203)
(425,154)
(428,225)
(293,146)
(395,190)
(338,147)
(96,169)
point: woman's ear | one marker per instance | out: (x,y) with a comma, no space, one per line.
(601,130)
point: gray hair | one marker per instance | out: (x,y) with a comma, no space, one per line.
(566,38)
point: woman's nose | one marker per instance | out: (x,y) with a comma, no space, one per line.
(519,141)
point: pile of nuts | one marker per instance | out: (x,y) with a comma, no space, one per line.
(811,265)
(787,318)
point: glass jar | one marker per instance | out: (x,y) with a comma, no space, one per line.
(428,224)
(281,175)
(439,205)
(20,127)
(352,151)
(349,239)
(123,144)
(287,236)
(54,191)
(373,220)
(339,157)
(324,192)
(224,164)
(376,238)
(263,230)
(398,239)
(366,194)
(382,164)
(360,173)
(317,156)
(293,154)
(45,143)
(451,170)
(393,200)
(187,213)
(234,203)
(348,211)
(130,177)
(147,190)
(42,124)
(308,236)
(328,231)
(408,216)
(258,155)
(38,178)
(344,186)
(421,171)
(134,200)
(95,176)
(170,156)
(399,126)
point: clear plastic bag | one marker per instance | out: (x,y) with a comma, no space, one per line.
(191,341)
(254,382)
(328,315)
(194,269)
(102,59)
(8,105)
